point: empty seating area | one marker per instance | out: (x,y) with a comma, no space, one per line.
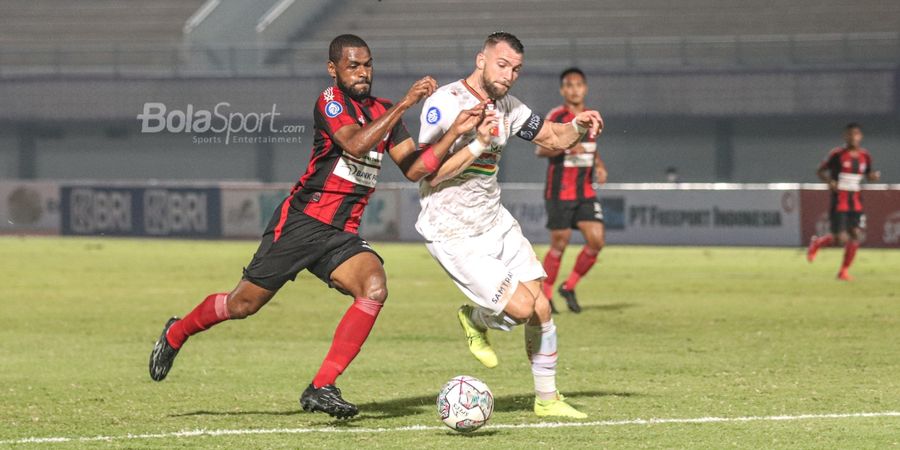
(92,22)
(429,20)
(145,36)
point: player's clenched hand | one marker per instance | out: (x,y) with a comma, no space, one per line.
(468,119)
(590,120)
(419,90)
(486,126)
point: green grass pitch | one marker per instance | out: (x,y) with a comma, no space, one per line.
(670,333)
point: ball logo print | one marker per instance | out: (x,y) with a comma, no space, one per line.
(433,115)
(465,404)
(333,108)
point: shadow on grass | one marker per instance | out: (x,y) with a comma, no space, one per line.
(607,307)
(410,406)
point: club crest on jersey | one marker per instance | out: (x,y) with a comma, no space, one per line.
(433,115)
(333,108)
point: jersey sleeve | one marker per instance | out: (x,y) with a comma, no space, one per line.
(331,111)
(523,122)
(398,134)
(438,114)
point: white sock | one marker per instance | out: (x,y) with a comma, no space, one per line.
(484,319)
(540,344)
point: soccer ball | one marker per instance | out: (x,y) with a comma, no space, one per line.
(465,404)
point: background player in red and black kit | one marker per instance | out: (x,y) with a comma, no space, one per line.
(315,228)
(844,170)
(569,193)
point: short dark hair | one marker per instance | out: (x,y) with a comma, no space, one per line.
(502,36)
(853,126)
(338,44)
(570,71)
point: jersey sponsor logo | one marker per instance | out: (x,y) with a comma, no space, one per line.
(333,108)
(363,171)
(433,115)
(850,182)
(579,160)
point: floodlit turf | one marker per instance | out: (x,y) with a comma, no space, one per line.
(666,333)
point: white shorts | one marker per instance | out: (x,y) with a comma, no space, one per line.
(488,268)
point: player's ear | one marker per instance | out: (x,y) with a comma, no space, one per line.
(332,69)
(479,61)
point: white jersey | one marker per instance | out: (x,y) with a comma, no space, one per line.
(469,203)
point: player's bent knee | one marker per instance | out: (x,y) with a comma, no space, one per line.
(376,292)
(521,306)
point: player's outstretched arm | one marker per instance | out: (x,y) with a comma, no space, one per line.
(566,135)
(419,164)
(457,162)
(357,140)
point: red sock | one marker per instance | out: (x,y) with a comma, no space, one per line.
(583,263)
(849,254)
(349,337)
(823,241)
(551,266)
(209,312)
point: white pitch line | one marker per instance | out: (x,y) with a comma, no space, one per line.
(601,423)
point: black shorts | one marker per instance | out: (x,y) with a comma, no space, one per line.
(304,243)
(564,214)
(846,221)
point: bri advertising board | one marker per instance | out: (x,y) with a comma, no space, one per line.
(155,211)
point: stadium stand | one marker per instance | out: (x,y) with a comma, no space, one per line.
(57,22)
(433,20)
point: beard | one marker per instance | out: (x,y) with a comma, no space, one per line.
(356,91)
(493,91)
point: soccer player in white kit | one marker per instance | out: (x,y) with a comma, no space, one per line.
(473,237)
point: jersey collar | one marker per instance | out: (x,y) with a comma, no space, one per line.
(473,91)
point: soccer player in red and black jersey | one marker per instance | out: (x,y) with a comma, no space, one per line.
(844,170)
(569,193)
(315,228)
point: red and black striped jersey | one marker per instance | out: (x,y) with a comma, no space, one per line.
(847,167)
(336,185)
(570,177)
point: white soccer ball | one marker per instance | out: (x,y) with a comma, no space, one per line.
(465,404)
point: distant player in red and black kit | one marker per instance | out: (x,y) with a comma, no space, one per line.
(569,193)
(844,170)
(315,228)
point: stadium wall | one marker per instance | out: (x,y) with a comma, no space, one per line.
(653,214)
